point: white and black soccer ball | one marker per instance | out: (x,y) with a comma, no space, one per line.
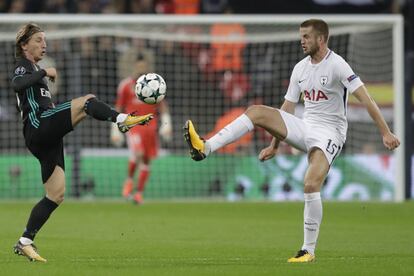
(150,88)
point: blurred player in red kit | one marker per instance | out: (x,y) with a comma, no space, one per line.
(142,144)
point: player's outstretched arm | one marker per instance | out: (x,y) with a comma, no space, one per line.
(388,138)
(270,151)
(21,82)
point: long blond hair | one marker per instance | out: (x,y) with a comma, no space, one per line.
(23,36)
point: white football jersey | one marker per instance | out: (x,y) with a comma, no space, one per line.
(325,87)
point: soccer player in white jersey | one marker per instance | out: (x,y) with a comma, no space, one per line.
(325,79)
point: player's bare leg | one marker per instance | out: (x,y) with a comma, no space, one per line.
(77,109)
(268,118)
(315,175)
(55,186)
(90,105)
(257,115)
(55,190)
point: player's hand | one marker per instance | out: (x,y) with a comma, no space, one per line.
(117,138)
(51,73)
(166,132)
(267,153)
(390,141)
(166,127)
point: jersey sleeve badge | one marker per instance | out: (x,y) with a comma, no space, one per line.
(20,70)
(352,77)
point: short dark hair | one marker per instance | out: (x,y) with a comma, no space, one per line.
(23,36)
(320,26)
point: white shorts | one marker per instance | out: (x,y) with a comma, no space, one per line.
(304,137)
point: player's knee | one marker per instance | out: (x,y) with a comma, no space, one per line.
(146,160)
(57,197)
(56,192)
(138,157)
(254,109)
(254,112)
(89,96)
(60,196)
(60,199)
(85,102)
(78,104)
(139,153)
(312,186)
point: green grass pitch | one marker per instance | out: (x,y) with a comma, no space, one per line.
(210,238)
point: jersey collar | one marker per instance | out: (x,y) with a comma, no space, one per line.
(328,54)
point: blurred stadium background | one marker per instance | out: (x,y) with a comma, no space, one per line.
(214,67)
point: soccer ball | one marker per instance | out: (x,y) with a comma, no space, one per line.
(150,88)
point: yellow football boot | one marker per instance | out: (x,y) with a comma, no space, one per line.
(133,120)
(302,257)
(29,251)
(194,141)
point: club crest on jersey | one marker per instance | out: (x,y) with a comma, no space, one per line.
(20,70)
(324,80)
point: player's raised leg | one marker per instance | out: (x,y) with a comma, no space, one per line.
(312,215)
(256,115)
(90,105)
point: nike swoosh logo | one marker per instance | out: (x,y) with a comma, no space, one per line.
(302,80)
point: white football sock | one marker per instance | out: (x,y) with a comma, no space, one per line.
(121,117)
(25,241)
(312,220)
(229,133)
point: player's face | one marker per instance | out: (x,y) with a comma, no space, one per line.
(35,48)
(141,67)
(309,41)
